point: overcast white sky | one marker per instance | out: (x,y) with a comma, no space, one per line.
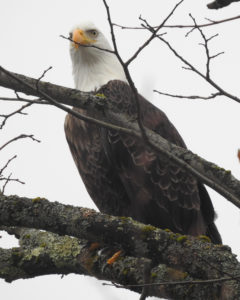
(30,43)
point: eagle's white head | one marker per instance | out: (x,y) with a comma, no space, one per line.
(92,67)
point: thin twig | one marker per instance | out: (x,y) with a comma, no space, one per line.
(41,77)
(127,73)
(205,45)
(5,184)
(154,33)
(212,96)
(6,165)
(237,277)
(18,111)
(37,101)
(192,68)
(7,180)
(87,46)
(133,57)
(21,136)
(211,23)
(207,281)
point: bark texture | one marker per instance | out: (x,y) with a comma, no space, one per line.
(184,267)
(106,115)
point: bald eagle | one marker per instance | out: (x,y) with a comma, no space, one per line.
(123,176)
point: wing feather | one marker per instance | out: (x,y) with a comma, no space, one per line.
(125,177)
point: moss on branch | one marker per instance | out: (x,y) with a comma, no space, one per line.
(172,256)
(103,112)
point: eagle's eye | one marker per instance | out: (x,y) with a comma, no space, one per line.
(70,35)
(93,32)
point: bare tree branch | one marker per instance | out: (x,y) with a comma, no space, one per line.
(211,23)
(18,111)
(95,101)
(154,33)
(6,165)
(191,67)
(87,46)
(125,65)
(33,101)
(127,73)
(21,136)
(42,76)
(212,96)
(43,253)
(219,179)
(176,265)
(173,257)
(7,179)
(205,45)
(170,283)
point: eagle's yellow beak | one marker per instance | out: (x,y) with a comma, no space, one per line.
(79,37)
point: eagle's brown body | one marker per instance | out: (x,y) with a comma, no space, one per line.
(124,177)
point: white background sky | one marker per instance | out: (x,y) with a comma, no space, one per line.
(30,43)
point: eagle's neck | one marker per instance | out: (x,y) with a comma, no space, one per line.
(93,68)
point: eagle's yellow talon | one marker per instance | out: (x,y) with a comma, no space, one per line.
(115,256)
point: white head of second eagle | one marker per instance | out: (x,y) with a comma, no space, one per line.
(92,67)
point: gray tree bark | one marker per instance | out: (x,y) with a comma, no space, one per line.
(106,115)
(168,264)
(179,267)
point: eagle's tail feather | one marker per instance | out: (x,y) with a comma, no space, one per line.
(213,234)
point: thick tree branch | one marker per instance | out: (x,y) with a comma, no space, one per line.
(173,257)
(106,115)
(43,253)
